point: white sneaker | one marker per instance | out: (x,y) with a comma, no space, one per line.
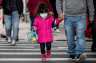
(57,30)
(81,58)
(9,40)
(13,43)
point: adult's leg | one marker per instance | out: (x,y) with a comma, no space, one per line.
(69,31)
(80,34)
(15,24)
(93,48)
(8,26)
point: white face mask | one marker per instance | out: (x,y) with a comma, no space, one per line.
(43,15)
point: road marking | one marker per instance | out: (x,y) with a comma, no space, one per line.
(36,49)
(39,59)
(38,53)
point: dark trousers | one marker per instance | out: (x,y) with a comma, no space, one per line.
(43,46)
(94,36)
(53,4)
(32,21)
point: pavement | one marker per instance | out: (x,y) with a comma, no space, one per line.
(26,52)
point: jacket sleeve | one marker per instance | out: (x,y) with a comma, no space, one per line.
(59,6)
(91,9)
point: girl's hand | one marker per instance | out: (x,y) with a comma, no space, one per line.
(34,28)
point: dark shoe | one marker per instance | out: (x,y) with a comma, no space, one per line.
(77,57)
(93,49)
(3,36)
(17,39)
(72,56)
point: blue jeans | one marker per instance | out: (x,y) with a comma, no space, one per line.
(75,27)
(12,24)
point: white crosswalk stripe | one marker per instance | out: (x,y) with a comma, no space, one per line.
(22,51)
(39,59)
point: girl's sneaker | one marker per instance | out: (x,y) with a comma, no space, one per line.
(48,55)
(43,56)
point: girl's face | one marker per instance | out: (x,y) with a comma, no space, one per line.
(44,15)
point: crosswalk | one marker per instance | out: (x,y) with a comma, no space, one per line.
(25,52)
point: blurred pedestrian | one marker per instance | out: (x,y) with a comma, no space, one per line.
(12,10)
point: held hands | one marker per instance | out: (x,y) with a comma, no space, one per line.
(61,16)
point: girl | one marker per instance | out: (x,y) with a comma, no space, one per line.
(43,26)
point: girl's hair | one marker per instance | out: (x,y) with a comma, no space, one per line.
(43,8)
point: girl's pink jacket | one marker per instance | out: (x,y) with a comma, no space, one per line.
(44,29)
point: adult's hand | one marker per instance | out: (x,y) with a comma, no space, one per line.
(61,16)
